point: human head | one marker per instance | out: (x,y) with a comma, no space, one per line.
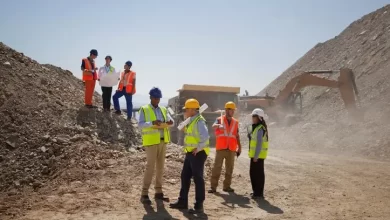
(108,60)
(191,107)
(93,53)
(155,96)
(257,115)
(230,107)
(128,65)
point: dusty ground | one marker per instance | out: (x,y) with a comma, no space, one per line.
(299,185)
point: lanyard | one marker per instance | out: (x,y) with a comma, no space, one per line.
(108,68)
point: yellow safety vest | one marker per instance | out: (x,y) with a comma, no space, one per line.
(151,136)
(192,138)
(252,145)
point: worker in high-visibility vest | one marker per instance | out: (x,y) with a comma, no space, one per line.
(228,146)
(196,146)
(126,88)
(258,150)
(89,77)
(155,142)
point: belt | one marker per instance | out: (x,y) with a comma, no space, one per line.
(162,139)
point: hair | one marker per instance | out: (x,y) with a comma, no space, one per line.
(262,122)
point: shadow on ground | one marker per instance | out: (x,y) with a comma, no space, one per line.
(232,200)
(268,207)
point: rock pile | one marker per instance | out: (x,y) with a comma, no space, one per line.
(364,47)
(45,127)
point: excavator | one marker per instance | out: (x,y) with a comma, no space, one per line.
(289,100)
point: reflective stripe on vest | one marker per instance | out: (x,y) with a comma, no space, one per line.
(152,136)
(129,77)
(192,137)
(88,66)
(252,145)
(228,138)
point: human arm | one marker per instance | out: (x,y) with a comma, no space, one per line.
(204,135)
(259,144)
(141,121)
(132,92)
(83,65)
(170,120)
(238,143)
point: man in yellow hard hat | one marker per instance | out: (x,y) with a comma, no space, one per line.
(228,146)
(196,146)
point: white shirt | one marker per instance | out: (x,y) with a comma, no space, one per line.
(108,77)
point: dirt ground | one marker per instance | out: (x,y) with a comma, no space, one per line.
(299,185)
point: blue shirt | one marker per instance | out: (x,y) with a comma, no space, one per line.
(203,132)
(159,116)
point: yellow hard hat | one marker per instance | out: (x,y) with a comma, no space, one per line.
(191,103)
(230,105)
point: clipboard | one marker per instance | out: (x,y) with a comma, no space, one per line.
(162,125)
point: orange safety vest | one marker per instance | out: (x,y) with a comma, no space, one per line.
(88,75)
(129,79)
(227,138)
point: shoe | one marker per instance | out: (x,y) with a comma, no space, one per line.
(198,208)
(179,205)
(257,197)
(160,196)
(212,190)
(145,200)
(118,112)
(229,189)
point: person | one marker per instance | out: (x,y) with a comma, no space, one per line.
(228,146)
(106,70)
(196,146)
(126,88)
(258,150)
(89,77)
(155,142)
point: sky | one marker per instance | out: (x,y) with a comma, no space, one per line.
(244,43)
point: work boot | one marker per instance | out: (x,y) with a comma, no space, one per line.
(212,190)
(257,197)
(160,196)
(118,112)
(229,189)
(145,200)
(198,208)
(179,204)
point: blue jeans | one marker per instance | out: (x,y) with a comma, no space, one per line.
(129,101)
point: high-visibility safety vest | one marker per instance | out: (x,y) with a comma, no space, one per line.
(192,137)
(88,75)
(227,138)
(129,78)
(152,136)
(252,145)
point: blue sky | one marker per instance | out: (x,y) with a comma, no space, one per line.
(244,43)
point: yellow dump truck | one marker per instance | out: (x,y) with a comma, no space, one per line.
(214,96)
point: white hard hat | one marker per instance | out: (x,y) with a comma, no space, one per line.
(259,112)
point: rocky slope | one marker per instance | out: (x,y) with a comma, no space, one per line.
(364,47)
(44,126)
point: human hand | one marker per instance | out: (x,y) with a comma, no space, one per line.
(170,123)
(254,160)
(239,152)
(194,152)
(156,122)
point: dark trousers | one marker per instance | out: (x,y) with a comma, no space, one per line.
(129,101)
(106,95)
(256,172)
(193,167)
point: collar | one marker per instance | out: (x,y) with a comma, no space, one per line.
(154,107)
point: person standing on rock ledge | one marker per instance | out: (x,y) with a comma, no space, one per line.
(126,88)
(89,77)
(228,146)
(107,79)
(155,141)
(196,146)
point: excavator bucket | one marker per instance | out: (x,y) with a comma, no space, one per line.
(348,91)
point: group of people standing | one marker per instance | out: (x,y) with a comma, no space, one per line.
(126,86)
(155,122)
(197,149)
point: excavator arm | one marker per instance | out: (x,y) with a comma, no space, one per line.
(345,83)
